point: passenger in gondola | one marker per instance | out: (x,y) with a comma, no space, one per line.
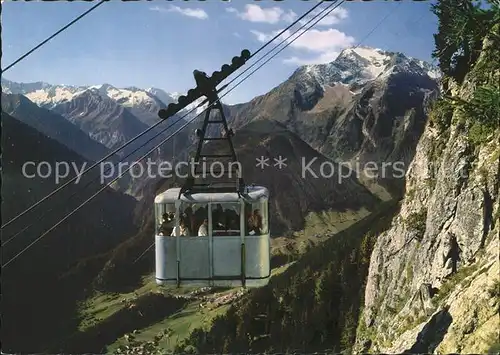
(203,230)
(164,218)
(166,225)
(258,221)
(232,219)
(189,218)
(183,229)
(255,223)
(250,224)
(218,217)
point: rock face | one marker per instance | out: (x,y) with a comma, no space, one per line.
(102,118)
(414,301)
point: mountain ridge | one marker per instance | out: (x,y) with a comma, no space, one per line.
(49,311)
(53,126)
(348,112)
(368,61)
(50,95)
(328,105)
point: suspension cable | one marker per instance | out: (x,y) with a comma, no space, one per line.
(287,28)
(389,13)
(164,130)
(331,7)
(274,55)
(136,137)
(144,252)
(356,46)
(199,105)
(53,35)
(92,181)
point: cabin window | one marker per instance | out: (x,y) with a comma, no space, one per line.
(226,219)
(256,219)
(165,218)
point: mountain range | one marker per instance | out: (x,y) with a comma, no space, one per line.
(108,115)
(366,105)
(142,100)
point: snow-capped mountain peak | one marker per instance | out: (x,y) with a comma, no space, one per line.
(49,96)
(164,96)
(173,97)
(129,98)
(374,60)
(53,95)
(102,87)
(356,66)
(136,99)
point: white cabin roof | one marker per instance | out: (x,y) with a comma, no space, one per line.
(255,193)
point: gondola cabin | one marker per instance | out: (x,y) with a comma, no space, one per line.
(213,239)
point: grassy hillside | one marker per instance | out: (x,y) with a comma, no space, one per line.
(311,306)
(319,226)
(146,317)
(162,316)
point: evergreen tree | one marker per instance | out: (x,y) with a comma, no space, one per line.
(462,27)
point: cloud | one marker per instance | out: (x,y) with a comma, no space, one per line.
(289,16)
(332,18)
(264,37)
(325,57)
(190,12)
(319,45)
(313,40)
(272,15)
(324,45)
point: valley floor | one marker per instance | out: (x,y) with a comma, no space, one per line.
(196,308)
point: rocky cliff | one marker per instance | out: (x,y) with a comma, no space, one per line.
(433,282)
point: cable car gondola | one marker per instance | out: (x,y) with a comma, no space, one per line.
(212,233)
(231,254)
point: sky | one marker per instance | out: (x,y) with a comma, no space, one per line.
(159,43)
